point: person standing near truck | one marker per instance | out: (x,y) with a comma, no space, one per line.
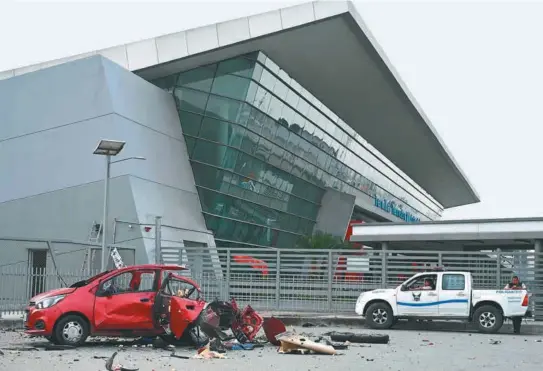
(515,284)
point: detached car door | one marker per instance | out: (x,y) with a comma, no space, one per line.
(125,301)
(181,297)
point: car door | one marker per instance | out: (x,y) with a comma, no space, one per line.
(413,299)
(454,295)
(180,297)
(125,301)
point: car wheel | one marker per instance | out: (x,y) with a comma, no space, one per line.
(71,330)
(379,316)
(488,319)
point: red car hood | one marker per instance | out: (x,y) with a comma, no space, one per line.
(66,290)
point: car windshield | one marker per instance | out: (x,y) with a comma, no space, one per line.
(88,280)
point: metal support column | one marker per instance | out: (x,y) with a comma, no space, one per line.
(158,238)
(384,264)
(228,268)
(537,290)
(498,268)
(330,280)
(278,280)
(105,216)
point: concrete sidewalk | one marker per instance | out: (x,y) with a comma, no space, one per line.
(529,327)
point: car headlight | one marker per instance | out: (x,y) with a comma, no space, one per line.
(49,302)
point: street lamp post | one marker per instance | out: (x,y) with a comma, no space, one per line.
(109,148)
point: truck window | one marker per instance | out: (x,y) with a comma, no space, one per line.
(453,282)
(423,282)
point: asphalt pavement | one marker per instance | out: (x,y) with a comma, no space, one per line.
(407,350)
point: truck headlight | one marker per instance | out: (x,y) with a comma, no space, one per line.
(49,302)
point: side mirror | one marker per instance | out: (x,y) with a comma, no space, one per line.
(403,288)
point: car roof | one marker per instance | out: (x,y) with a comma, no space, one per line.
(168,267)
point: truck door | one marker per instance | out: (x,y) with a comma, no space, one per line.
(418,297)
(454,295)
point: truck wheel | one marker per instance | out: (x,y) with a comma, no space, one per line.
(71,330)
(488,318)
(52,339)
(379,316)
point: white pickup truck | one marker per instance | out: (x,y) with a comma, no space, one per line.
(441,296)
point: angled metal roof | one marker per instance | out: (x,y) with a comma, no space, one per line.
(327,48)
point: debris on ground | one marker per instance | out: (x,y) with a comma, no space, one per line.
(273,327)
(358,338)
(336,346)
(178,356)
(58,347)
(494,342)
(294,343)
(111,367)
(206,353)
(1,353)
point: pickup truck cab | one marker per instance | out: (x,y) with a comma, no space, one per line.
(441,296)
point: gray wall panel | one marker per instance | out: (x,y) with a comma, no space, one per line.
(140,101)
(53,97)
(52,184)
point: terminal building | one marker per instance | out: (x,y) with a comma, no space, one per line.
(255,132)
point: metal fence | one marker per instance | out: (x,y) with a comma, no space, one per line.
(327,281)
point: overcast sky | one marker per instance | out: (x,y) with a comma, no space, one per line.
(474,67)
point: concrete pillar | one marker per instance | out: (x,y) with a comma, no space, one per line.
(384,265)
(537,290)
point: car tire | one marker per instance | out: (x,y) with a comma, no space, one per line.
(488,319)
(71,330)
(379,316)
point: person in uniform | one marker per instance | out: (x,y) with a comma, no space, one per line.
(515,284)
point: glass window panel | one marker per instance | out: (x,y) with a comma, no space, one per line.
(286,240)
(199,78)
(268,80)
(280,89)
(245,114)
(287,114)
(263,149)
(255,121)
(166,83)
(190,122)
(281,136)
(231,86)
(251,92)
(269,127)
(191,100)
(237,66)
(223,108)
(205,176)
(298,167)
(275,108)
(257,72)
(190,145)
(276,155)
(209,153)
(303,107)
(292,98)
(297,123)
(249,142)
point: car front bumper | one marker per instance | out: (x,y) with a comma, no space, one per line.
(40,322)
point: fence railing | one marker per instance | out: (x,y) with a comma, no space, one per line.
(327,281)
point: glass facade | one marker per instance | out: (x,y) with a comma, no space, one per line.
(263,151)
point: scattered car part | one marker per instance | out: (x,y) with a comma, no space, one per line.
(293,342)
(359,338)
(111,367)
(272,328)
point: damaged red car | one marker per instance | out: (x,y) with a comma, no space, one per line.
(146,300)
